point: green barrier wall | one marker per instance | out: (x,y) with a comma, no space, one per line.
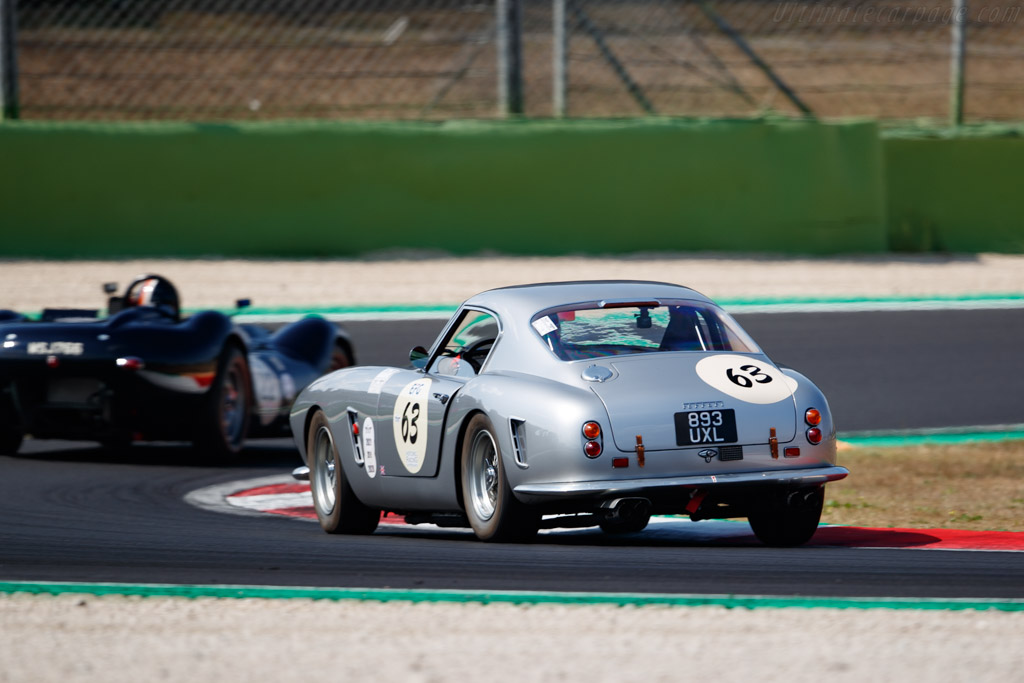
(956,194)
(332,189)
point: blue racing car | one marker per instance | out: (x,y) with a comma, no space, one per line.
(144,371)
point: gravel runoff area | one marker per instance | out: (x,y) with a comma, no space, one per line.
(431,279)
(86,638)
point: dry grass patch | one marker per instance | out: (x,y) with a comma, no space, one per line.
(969,486)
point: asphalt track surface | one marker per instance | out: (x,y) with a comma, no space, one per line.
(74,512)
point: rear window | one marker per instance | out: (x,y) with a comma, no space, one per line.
(599,329)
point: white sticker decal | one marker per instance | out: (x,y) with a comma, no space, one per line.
(544,325)
(61,348)
(369,449)
(378,382)
(745,378)
(267,388)
(410,423)
(288,387)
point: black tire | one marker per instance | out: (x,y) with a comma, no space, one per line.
(787,518)
(337,507)
(494,512)
(10,442)
(227,409)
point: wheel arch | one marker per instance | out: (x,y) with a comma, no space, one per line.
(459,443)
(235,339)
(306,423)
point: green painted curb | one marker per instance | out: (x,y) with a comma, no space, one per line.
(936,299)
(510,597)
(945,436)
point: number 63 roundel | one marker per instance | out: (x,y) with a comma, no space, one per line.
(745,378)
(410,423)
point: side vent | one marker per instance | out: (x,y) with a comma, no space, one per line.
(518,429)
(353,429)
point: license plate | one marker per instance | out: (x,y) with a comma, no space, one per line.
(700,427)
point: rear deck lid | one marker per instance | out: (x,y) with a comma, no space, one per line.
(689,399)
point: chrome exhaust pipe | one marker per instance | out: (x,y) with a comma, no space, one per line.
(619,509)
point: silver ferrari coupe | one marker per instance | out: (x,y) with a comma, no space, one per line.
(572,404)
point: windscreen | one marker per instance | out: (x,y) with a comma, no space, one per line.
(599,329)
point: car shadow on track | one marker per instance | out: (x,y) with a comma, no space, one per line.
(689,534)
(684,534)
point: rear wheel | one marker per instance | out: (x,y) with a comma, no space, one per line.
(787,518)
(225,418)
(10,436)
(336,505)
(492,509)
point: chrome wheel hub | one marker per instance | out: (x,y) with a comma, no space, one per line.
(324,474)
(483,479)
(231,413)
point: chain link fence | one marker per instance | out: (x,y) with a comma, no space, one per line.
(440,59)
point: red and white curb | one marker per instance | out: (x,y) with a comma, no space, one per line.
(282,496)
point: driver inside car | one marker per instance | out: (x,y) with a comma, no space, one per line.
(466,350)
(154,292)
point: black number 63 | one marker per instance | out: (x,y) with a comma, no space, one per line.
(743,380)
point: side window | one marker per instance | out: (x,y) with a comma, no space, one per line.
(468,345)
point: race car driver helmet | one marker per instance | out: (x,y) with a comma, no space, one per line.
(156,292)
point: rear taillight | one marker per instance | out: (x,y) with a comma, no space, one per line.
(130,363)
(812,417)
(814,436)
(594,443)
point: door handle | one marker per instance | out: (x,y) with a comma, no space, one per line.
(443,398)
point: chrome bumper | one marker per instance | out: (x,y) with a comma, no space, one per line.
(593,489)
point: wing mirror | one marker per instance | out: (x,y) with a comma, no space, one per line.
(418,357)
(109,287)
(243,303)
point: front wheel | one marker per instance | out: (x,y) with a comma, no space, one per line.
(788,518)
(336,505)
(492,509)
